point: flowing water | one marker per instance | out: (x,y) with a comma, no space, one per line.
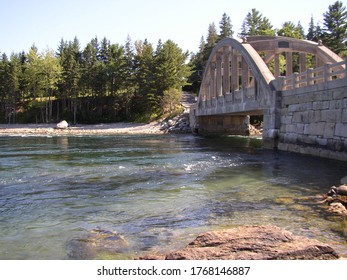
(59,196)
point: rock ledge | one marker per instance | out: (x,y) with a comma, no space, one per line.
(250,243)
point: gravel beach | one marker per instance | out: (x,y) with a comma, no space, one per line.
(97,129)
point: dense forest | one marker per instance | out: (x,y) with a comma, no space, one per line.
(137,81)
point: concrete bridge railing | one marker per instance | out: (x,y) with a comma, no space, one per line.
(326,73)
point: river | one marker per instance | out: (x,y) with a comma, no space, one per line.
(156,191)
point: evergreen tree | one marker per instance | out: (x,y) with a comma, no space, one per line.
(143,76)
(116,69)
(23,83)
(3,59)
(212,36)
(225,27)
(51,75)
(314,32)
(158,48)
(104,55)
(197,65)
(335,28)
(89,60)
(300,30)
(171,69)
(70,60)
(7,89)
(129,56)
(256,24)
(33,75)
(170,74)
(61,47)
(129,77)
(211,42)
(290,30)
(14,83)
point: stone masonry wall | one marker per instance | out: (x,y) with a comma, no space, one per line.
(223,124)
(314,120)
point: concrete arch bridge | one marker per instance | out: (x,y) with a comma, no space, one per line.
(299,86)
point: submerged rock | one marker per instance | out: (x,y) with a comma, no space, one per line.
(97,242)
(251,243)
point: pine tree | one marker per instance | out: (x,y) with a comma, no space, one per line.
(51,75)
(61,47)
(171,73)
(34,72)
(172,70)
(211,42)
(8,88)
(104,55)
(256,24)
(335,28)
(89,59)
(70,59)
(212,36)
(300,30)
(143,76)
(290,30)
(116,69)
(129,56)
(225,27)
(129,77)
(314,32)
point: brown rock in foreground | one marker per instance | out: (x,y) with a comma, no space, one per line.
(251,243)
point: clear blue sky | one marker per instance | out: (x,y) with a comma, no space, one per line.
(45,22)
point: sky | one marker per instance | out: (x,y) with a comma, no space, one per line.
(44,22)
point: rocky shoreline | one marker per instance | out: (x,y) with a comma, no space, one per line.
(336,200)
(239,243)
(97,129)
(257,242)
(177,125)
(250,243)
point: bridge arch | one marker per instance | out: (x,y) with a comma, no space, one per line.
(273,46)
(238,82)
(236,72)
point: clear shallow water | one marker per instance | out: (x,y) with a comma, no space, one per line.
(157,192)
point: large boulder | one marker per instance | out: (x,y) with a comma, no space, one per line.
(341,190)
(336,199)
(62,125)
(251,243)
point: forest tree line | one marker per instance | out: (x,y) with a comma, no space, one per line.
(137,81)
(104,82)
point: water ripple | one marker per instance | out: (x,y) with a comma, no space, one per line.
(156,191)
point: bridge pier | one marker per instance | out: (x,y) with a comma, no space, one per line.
(223,125)
(272,121)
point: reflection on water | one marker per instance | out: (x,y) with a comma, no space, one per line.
(70,197)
